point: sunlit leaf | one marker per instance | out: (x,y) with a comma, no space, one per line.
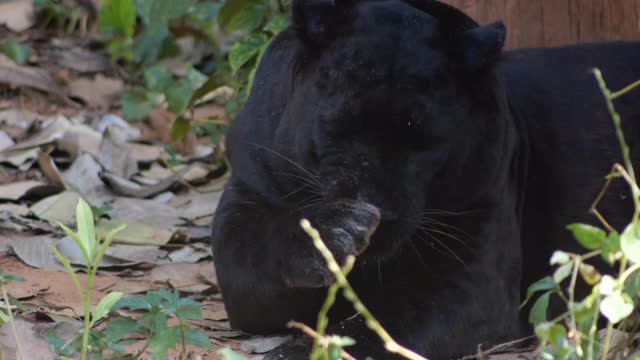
(118,16)
(105,304)
(538,311)
(588,236)
(630,242)
(245,49)
(616,307)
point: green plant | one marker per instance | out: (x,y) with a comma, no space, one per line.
(65,15)
(573,334)
(16,51)
(92,251)
(6,315)
(158,306)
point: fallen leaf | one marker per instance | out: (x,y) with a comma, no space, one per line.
(262,345)
(115,154)
(100,124)
(27,76)
(34,251)
(5,140)
(136,233)
(33,347)
(52,129)
(57,208)
(192,253)
(17,190)
(17,15)
(80,138)
(49,168)
(99,92)
(83,177)
(183,277)
(128,188)
(76,58)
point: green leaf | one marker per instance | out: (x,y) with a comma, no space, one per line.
(588,236)
(616,307)
(611,250)
(334,352)
(163,341)
(179,129)
(228,354)
(10,278)
(77,240)
(245,49)
(630,242)
(543,284)
(237,15)
(188,309)
(538,312)
(16,52)
(558,337)
(106,243)
(86,230)
(178,96)
(213,82)
(197,338)
(104,306)
(136,104)
(118,16)
(159,12)
(158,78)
(150,44)
(119,327)
(57,345)
(277,24)
(562,272)
(133,303)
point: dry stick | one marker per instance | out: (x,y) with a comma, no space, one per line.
(389,343)
(12,324)
(316,337)
(323,320)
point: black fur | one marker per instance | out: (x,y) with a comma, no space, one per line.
(448,168)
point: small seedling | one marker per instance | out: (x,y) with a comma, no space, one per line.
(92,251)
(158,307)
(6,315)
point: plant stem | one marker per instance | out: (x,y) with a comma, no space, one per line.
(607,341)
(87,311)
(12,324)
(316,336)
(609,97)
(323,320)
(184,343)
(572,287)
(372,323)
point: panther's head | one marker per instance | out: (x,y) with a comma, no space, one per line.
(392,102)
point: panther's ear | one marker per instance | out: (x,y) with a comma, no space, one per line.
(483,45)
(317,20)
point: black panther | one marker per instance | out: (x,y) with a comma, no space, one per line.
(447,166)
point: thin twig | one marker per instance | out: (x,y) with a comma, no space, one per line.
(372,323)
(12,324)
(316,337)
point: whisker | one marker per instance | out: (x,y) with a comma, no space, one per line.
(450,236)
(448,249)
(302,168)
(304,180)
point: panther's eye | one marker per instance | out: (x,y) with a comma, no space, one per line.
(414,135)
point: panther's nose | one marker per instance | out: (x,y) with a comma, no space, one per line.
(385,213)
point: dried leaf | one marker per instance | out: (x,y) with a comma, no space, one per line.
(17,15)
(26,76)
(99,92)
